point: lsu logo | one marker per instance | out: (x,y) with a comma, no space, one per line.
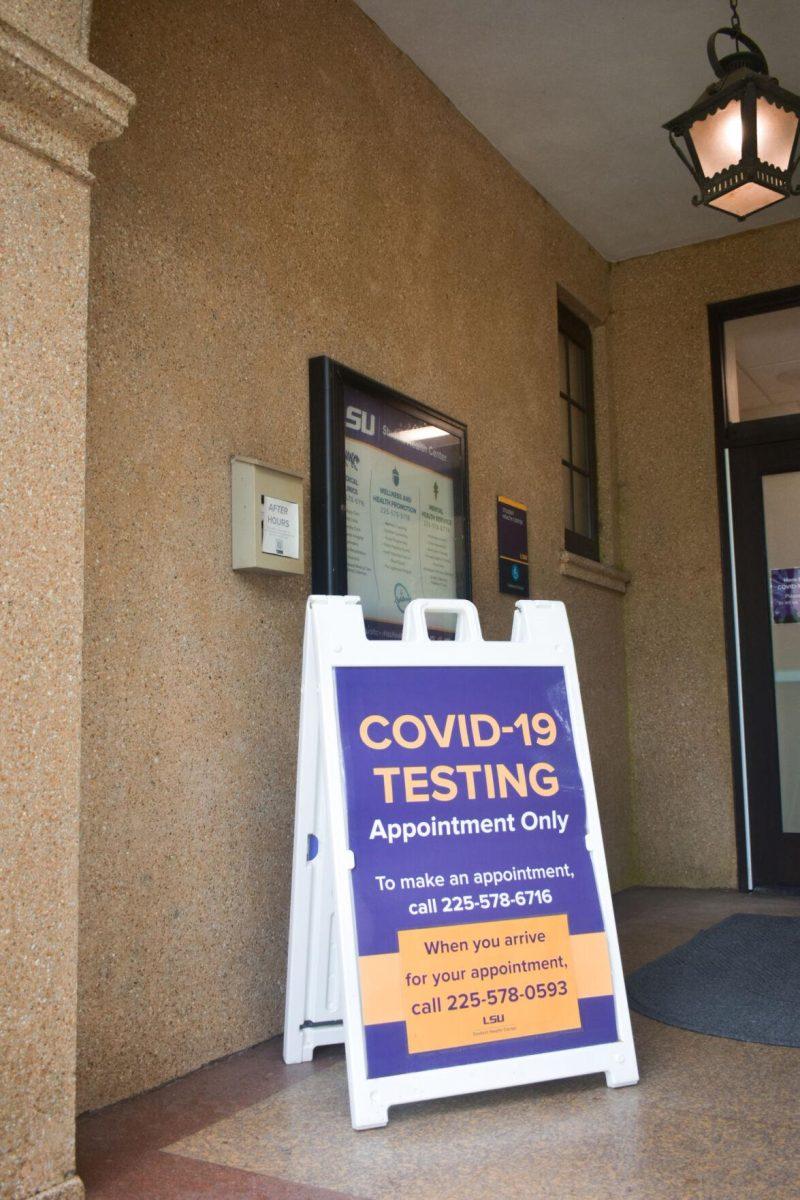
(360,421)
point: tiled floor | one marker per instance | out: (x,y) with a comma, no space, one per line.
(711,1119)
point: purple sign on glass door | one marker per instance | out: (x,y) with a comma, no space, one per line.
(785,595)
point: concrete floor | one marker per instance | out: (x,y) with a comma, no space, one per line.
(711,1119)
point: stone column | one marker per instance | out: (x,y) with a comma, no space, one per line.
(54,106)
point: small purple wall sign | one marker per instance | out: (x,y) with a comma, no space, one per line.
(512,547)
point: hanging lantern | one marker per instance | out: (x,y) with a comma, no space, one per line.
(740,139)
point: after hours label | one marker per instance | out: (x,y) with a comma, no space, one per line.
(478,923)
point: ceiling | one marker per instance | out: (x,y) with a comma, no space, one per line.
(574,93)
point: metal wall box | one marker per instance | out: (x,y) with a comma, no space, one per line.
(266,536)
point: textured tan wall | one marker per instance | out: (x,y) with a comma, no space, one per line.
(42,395)
(669,528)
(41,465)
(54,22)
(291,185)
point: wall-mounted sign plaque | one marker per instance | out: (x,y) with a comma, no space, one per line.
(512,547)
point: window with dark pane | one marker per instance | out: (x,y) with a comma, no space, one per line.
(578,471)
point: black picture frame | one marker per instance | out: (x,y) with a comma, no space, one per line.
(332,386)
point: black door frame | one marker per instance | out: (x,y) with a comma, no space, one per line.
(744,433)
(774,852)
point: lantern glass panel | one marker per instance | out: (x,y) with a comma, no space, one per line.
(718,139)
(748,198)
(775,131)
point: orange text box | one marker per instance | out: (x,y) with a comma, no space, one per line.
(484,982)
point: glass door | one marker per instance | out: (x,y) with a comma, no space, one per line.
(755,355)
(781,494)
(765,499)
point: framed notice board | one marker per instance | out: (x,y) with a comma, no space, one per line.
(389,498)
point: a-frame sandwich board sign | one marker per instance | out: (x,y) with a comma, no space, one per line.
(451,916)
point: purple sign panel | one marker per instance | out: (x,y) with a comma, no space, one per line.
(512,547)
(785,595)
(479,929)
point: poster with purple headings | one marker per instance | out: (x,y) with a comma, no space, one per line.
(479,928)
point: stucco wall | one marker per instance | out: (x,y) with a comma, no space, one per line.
(43,291)
(55,22)
(669,529)
(291,185)
(41,455)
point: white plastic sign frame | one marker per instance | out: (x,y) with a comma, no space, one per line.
(323,1000)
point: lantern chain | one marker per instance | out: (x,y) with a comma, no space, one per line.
(736,22)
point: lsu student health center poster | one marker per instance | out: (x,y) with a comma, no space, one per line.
(478,923)
(400,511)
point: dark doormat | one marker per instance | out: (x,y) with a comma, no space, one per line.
(739,979)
